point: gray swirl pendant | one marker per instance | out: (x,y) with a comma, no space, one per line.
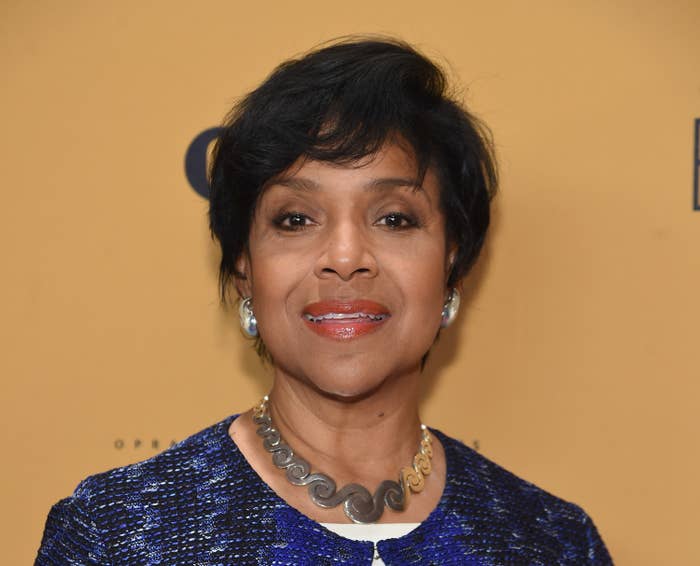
(359,505)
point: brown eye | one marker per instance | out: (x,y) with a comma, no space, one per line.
(398,221)
(292,221)
(296,220)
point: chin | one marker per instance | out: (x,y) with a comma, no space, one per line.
(349,395)
(351,383)
(347,390)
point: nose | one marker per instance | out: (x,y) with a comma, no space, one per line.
(347,253)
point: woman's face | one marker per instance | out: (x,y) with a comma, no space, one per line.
(347,270)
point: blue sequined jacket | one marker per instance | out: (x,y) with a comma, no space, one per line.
(200,503)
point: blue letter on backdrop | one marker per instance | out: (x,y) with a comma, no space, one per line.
(696,166)
(196,161)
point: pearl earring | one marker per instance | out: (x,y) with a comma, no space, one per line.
(249,323)
(450,309)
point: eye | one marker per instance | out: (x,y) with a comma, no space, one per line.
(292,221)
(398,221)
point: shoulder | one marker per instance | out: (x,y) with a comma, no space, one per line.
(197,458)
(163,493)
(479,480)
(513,513)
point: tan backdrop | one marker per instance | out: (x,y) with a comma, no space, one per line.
(575,363)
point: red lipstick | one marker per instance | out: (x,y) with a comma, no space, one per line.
(345,320)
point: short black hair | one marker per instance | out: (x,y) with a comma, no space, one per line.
(341,103)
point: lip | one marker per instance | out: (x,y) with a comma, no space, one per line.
(345,320)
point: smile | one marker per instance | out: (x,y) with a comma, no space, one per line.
(334,316)
(345,320)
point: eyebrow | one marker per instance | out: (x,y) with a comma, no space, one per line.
(382,183)
(392,182)
(297,183)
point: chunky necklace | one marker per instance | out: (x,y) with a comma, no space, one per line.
(359,504)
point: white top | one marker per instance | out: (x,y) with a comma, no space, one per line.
(372,532)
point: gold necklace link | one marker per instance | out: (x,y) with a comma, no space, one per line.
(413,478)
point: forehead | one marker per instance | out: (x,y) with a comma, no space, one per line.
(392,167)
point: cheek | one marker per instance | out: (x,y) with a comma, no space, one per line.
(421,278)
(275,276)
(425,297)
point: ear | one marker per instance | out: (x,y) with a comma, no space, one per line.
(244,284)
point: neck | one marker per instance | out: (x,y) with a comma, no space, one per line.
(363,440)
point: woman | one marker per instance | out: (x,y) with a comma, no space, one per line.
(350,196)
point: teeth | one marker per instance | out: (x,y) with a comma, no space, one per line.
(344,316)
